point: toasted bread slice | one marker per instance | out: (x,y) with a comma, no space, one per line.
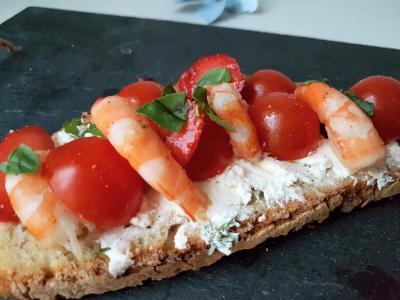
(29,270)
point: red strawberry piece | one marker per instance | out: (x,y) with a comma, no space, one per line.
(188,80)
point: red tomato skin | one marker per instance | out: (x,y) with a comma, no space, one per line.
(94,181)
(264,82)
(384,92)
(184,143)
(185,83)
(33,136)
(188,80)
(213,154)
(288,129)
(141,92)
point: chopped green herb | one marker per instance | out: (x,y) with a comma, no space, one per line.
(169,89)
(93,130)
(200,96)
(103,250)
(215,76)
(366,107)
(71,126)
(169,111)
(176,103)
(161,115)
(221,238)
(21,161)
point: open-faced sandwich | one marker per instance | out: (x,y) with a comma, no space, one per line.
(161,179)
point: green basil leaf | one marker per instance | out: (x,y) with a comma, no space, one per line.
(366,107)
(71,126)
(200,96)
(22,160)
(215,76)
(176,104)
(169,111)
(161,115)
(169,89)
(93,130)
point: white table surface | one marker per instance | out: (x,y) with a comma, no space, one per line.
(368,22)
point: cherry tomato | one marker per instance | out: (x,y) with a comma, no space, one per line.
(184,143)
(264,82)
(188,80)
(288,129)
(213,154)
(384,92)
(94,181)
(32,136)
(141,92)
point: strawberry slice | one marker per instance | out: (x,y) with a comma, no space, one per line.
(188,80)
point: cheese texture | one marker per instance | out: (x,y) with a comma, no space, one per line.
(152,222)
(271,181)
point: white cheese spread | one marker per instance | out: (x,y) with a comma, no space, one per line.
(271,181)
(393,154)
(321,166)
(185,230)
(150,225)
(61,137)
(268,180)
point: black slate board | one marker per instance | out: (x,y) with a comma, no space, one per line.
(69,59)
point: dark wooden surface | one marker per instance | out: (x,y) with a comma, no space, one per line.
(69,59)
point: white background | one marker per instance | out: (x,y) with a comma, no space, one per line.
(369,22)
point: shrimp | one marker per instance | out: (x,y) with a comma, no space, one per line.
(351,133)
(135,140)
(46,219)
(229,106)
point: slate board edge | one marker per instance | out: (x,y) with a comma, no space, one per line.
(195,25)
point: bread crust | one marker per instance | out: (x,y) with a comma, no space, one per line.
(75,280)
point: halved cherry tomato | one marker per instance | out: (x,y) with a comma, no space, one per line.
(384,92)
(213,154)
(288,129)
(188,80)
(94,181)
(184,143)
(141,92)
(264,82)
(32,136)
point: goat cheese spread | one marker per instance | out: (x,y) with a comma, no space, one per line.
(61,137)
(271,181)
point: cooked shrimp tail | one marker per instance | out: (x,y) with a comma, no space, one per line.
(45,218)
(351,133)
(229,106)
(135,140)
